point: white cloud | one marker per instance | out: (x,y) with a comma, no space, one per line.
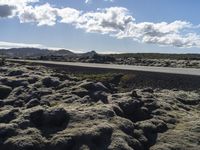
(9,8)
(114,21)
(68,15)
(42,15)
(161,33)
(105,21)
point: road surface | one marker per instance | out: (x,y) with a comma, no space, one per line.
(168,70)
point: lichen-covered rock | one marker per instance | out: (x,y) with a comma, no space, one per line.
(49,110)
(25,142)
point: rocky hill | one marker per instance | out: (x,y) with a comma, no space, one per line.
(33,52)
(45,109)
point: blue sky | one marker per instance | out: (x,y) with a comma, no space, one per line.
(165,26)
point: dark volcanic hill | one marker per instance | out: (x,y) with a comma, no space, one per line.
(33,52)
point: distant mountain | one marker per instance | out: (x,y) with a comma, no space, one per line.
(63,52)
(90,54)
(33,52)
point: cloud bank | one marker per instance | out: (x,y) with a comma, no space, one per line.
(113,21)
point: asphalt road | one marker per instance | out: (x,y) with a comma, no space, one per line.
(168,70)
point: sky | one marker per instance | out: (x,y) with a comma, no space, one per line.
(106,26)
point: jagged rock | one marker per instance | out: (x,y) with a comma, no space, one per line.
(50,82)
(7,115)
(36,117)
(33,103)
(32,79)
(118,111)
(135,94)
(12,82)
(9,102)
(15,73)
(139,135)
(187,100)
(18,91)
(100,87)
(49,118)
(55,117)
(7,130)
(130,106)
(141,114)
(91,86)
(1,103)
(80,92)
(149,90)
(18,103)
(45,103)
(99,95)
(4,91)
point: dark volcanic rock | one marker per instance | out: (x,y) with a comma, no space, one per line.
(91,86)
(7,115)
(13,82)
(56,117)
(99,95)
(33,103)
(15,73)
(4,91)
(7,130)
(18,103)
(149,90)
(188,100)
(50,82)
(80,92)
(130,106)
(36,117)
(135,94)
(1,103)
